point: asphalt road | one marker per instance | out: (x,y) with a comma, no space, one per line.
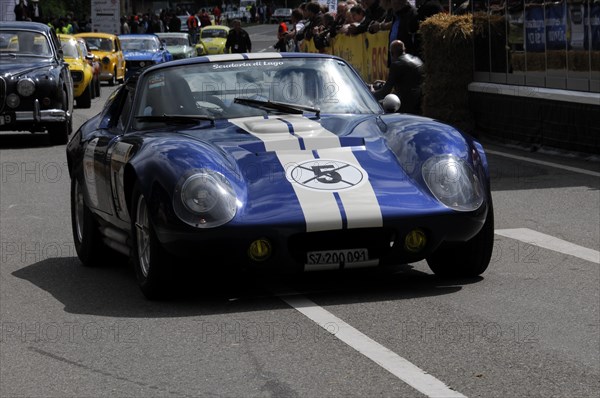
(529,327)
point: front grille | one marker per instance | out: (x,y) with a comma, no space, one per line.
(77,76)
(138,64)
(376,240)
(2,93)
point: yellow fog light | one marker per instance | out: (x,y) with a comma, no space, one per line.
(260,250)
(415,241)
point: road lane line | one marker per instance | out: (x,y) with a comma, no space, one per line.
(544,163)
(387,359)
(551,243)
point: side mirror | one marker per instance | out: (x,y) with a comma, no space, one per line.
(391,103)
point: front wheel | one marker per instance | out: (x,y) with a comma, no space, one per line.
(150,260)
(113,79)
(59,131)
(85,99)
(469,259)
(86,236)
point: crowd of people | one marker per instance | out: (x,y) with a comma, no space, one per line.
(313,21)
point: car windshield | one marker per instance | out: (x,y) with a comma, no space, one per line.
(24,43)
(69,48)
(175,41)
(139,44)
(233,89)
(209,33)
(98,43)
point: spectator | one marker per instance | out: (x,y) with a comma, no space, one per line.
(238,40)
(204,18)
(405,77)
(313,15)
(282,33)
(34,11)
(373,12)
(404,26)
(20,10)
(175,24)
(193,25)
(124,26)
(296,25)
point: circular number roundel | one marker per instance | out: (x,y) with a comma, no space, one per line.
(326,175)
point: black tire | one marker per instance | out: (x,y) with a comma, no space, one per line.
(59,132)
(113,79)
(467,260)
(86,236)
(150,261)
(98,90)
(85,99)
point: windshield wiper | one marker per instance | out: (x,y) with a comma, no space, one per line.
(176,119)
(277,106)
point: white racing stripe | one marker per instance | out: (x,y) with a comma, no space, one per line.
(544,163)
(551,243)
(320,208)
(360,204)
(404,370)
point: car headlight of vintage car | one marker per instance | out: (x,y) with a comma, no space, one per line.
(205,199)
(26,87)
(453,182)
(106,60)
(13,100)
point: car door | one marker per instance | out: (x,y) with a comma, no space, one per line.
(105,157)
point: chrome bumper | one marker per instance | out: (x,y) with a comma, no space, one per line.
(37,115)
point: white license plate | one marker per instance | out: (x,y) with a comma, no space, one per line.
(345,256)
(5,119)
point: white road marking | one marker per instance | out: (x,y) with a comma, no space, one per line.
(544,163)
(551,243)
(412,375)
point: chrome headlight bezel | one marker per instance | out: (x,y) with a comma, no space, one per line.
(453,182)
(26,87)
(205,199)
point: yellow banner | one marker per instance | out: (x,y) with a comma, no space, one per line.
(366,52)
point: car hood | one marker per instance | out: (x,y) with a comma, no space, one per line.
(178,49)
(309,164)
(214,40)
(10,68)
(137,55)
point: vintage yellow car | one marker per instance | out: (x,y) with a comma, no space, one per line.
(212,40)
(81,71)
(108,48)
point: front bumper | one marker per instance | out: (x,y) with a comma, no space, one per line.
(290,244)
(36,116)
(106,76)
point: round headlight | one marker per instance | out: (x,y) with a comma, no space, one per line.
(26,87)
(106,60)
(206,199)
(142,64)
(453,182)
(13,100)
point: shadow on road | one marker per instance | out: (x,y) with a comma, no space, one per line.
(24,140)
(113,291)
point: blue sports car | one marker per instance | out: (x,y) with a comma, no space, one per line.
(273,160)
(143,50)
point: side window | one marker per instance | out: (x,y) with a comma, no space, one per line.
(126,110)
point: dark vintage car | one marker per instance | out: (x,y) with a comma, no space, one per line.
(280,160)
(36,87)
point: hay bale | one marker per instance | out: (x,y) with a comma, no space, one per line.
(447,48)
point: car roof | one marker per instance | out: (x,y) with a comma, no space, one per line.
(25,25)
(138,36)
(172,34)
